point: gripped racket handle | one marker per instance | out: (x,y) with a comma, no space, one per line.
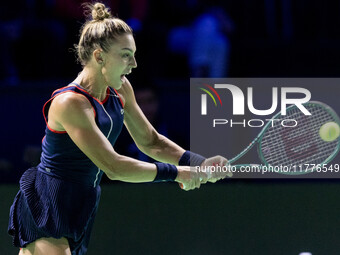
(182,185)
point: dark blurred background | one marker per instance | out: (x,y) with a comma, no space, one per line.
(176,40)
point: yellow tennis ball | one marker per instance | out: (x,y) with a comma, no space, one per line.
(329,131)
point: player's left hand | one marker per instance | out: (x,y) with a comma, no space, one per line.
(218,167)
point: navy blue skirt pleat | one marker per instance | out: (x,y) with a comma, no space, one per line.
(47,206)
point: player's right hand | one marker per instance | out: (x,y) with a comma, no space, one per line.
(190,178)
(219,173)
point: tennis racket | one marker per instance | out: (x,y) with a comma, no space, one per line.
(299,147)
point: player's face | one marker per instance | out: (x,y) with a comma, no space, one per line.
(119,61)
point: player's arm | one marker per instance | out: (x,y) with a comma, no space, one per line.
(74,114)
(147,139)
(157,146)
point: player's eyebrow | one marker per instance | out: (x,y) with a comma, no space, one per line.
(128,49)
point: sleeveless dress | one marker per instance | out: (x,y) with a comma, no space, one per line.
(59,198)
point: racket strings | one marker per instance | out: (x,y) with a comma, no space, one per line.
(303,145)
(300,142)
(298,145)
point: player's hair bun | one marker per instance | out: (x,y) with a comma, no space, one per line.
(100,12)
(99,31)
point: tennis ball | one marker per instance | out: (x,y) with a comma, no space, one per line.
(329,131)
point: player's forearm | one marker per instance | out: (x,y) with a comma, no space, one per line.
(130,170)
(163,150)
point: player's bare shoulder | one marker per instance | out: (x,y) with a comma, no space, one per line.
(126,93)
(70,102)
(69,106)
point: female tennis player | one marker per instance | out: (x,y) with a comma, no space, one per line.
(54,210)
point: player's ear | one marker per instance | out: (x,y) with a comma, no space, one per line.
(98,56)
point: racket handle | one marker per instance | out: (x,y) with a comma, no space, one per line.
(182,185)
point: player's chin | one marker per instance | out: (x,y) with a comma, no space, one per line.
(117,84)
(120,82)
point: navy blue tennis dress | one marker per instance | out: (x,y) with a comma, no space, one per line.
(59,197)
